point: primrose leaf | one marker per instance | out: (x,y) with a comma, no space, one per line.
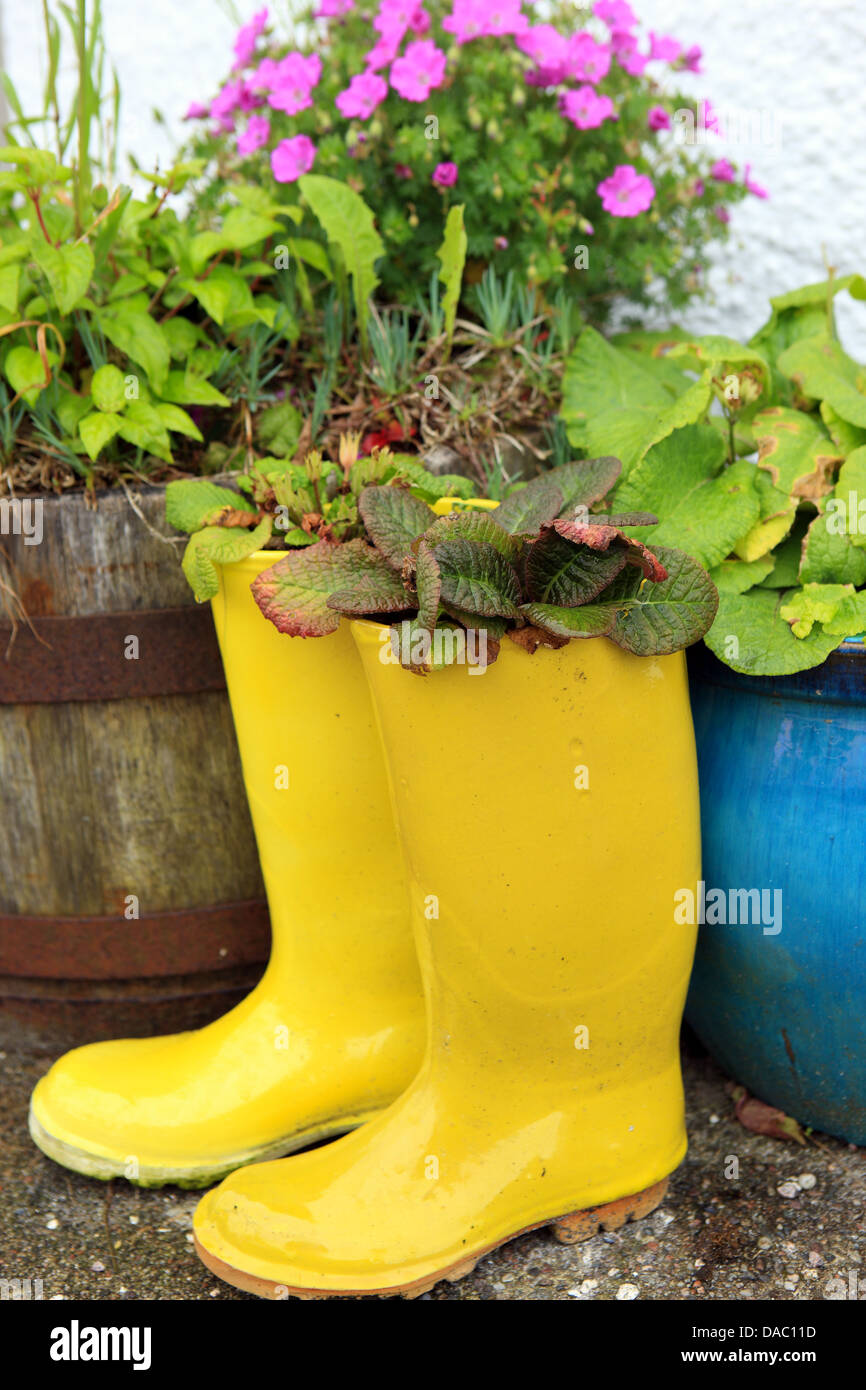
(452,258)
(850,491)
(613,405)
(220,545)
(814,603)
(474,526)
(428,582)
(586,480)
(526,510)
(845,436)
(562,574)
(795,451)
(830,556)
(293,594)
(751,636)
(477,578)
(348,222)
(191,503)
(394,520)
(68,269)
(825,372)
(667,616)
(592,620)
(736,576)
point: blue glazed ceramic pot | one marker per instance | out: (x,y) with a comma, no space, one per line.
(779,994)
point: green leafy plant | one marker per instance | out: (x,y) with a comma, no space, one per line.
(281,504)
(540,569)
(753,456)
(565,141)
(112,331)
(117,316)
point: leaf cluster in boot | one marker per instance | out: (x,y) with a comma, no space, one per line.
(284,504)
(540,569)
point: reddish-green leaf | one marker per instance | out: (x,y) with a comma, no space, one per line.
(294,593)
(394,520)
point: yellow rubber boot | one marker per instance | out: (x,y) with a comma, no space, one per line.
(335,1029)
(549,813)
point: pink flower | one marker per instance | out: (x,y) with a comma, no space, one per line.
(295,78)
(383,52)
(616,14)
(363,94)
(586,109)
(196,112)
(504,17)
(663,48)
(709,116)
(658,118)
(588,61)
(545,45)
(445,175)
(332,9)
(626,192)
(501,243)
(633,62)
(692,59)
(699,188)
(420,21)
(403,171)
(245,43)
(723,215)
(468,20)
(756,188)
(421,68)
(256,134)
(724,171)
(225,103)
(395,14)
(291,158)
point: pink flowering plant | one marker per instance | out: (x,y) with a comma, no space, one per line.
(559,138)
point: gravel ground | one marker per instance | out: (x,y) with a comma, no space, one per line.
(725,1231)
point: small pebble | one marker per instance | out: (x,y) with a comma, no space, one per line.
(52,1224)
(815,1258)
(133,1221)
(97,1267)
(189,1237)
(807,1181)
(714,1119)
(626,1292)
(788,1189)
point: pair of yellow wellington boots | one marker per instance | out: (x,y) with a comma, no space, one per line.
(516,1064)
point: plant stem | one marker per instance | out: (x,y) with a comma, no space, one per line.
(82,176)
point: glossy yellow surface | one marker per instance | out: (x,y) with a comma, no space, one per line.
(335,1029)
(554,972)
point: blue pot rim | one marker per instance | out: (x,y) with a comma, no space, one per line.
(840,679)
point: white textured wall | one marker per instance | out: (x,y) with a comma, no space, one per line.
(804,61)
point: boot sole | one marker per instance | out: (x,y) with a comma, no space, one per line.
(571,1229)
(93,1165)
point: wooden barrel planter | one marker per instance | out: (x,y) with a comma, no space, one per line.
(131,899)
